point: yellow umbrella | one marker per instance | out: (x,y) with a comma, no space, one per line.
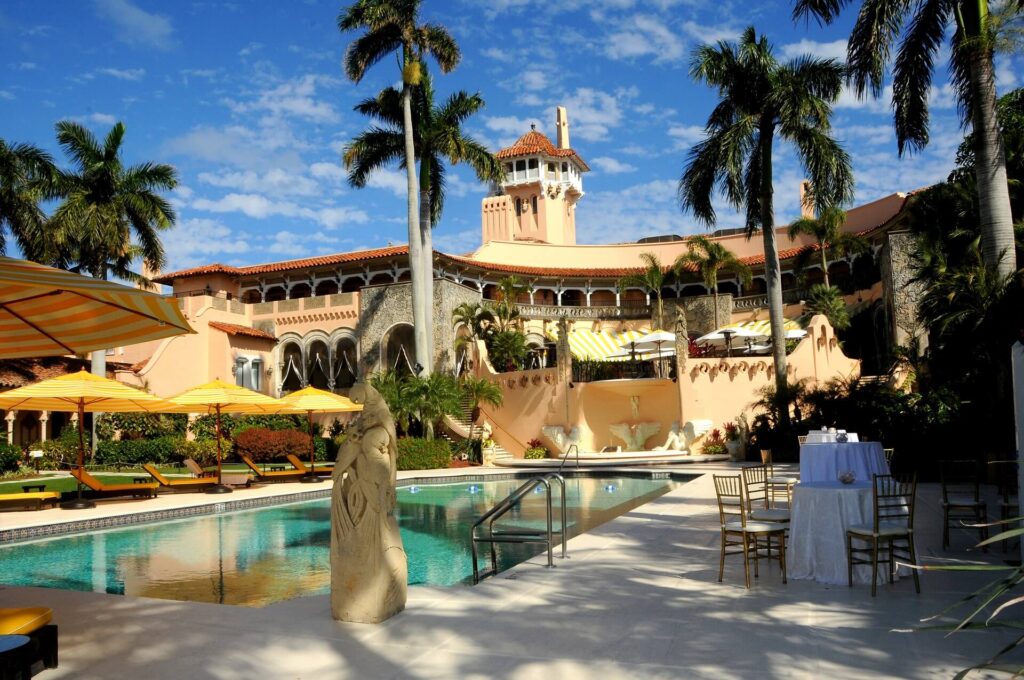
(312,400)
(218,397)
(51,312)
(81,392)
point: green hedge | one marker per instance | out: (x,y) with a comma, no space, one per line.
(10,457)
(423,454)
(138,451)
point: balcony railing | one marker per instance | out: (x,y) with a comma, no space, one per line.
(529,311)
(789,297)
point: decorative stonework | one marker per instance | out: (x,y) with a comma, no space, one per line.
(700,311)
(381,307)
(289,305)
(902,293)
(220,304)
(314,303)
(261,308)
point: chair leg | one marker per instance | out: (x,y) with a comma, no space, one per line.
(757,560)
(721,561)
(849,560)
(892,561)
(913,558)
(746,559)
(983,518)
(782,556)
(945,527)
(874,565)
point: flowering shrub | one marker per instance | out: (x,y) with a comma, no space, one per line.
(715,444)
(732,432)
(536,453)
(262,444)
(535,444)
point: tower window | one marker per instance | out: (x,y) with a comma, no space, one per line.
(533,171)
(519,207)
(520,170)
(534,204)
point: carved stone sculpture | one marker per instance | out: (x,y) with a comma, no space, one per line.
(635,435)
(675,440)
(369,571)
(556,435)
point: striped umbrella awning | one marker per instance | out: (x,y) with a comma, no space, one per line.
(764,328)
(51,312)
(599,345)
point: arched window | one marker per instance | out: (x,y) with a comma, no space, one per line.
(275,293)
(319,367)
(300,290)
(346,364)
(251,296)
(292,374)
(533,204)
(398,349)
(327,287)
(519,207)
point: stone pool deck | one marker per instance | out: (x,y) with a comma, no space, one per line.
(638,598)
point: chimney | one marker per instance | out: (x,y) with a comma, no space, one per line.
(562,123)
(806,200)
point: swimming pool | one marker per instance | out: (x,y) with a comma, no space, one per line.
(256,557)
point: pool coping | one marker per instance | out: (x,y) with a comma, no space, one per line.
(65,528)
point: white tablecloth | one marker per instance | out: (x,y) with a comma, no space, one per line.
(824,462)
(819,437)
(821,513)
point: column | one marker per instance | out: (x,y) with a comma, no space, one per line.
(11,415)
(44,419)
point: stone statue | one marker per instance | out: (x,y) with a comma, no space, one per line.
(556,435)
(485,430)
(369,573)
(675,440)
(635,435)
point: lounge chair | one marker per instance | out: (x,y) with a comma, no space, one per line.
(35,623)
(147,489)
(323,468)
(274,475)
(197,469)
(34,499)
(185,484)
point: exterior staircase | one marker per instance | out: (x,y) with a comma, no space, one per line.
(457,428)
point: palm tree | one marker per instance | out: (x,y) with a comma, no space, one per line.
(651,278)
(476,317)
(710,257)
(24,171)
(479,391)
(437,135)
(393,26)
(923,26)
(760,99)
(110,215)
(505,311)
(827,230)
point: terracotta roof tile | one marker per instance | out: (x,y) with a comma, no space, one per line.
(21,372)
(534,142)
(286,265)
(246,331)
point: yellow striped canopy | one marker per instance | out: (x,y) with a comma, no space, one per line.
(316,400)
(81,392)
(51,312)
(224,397)
(600,345)
(763,327)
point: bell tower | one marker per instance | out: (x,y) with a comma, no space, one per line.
(536,199)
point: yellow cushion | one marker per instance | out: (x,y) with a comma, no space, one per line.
(41,495)
(24,620)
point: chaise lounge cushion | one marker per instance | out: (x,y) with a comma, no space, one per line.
(24,620)
(39,496)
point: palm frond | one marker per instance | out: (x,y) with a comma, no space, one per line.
(877,26)
(912,73)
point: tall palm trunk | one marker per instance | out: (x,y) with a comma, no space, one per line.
(427,253)
(824,264)
(420,316)
(714,291)
(997,243)
(660,311)
(771,264)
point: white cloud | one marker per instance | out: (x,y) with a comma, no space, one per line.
(823,50)
(498,54)
(260,207)
(135,26)
(459,188)
(707,34)
(4,94)
(238,145)
(394,181)
(97,118)
(611,166)
(645,35)
(273,181)
(293,98)
(593,113)
(199,240)
(124,74)
(533,79)
(1006,79)
(25,66)
(457,242)
(329,171)
(686,136)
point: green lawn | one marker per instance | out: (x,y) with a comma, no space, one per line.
(64,483)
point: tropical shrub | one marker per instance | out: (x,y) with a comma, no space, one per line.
(423,454)
(204,426)
(61,452)
(536,453)
(160,450)
(10,457)
(418,404)
(202,451)
(140,425)
(828,300)
(507,350)
(262,444)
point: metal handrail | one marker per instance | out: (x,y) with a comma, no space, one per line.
(518,535)
(566,456)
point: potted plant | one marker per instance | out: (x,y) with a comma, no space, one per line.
(714,445)
(733,441)
(535,450)
(487,452)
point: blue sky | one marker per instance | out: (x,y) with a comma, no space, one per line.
(248,100)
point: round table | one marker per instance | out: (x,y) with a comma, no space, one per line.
(819,517)
(15,657)
(823,462)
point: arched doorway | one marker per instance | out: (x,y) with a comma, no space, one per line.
(398,348)
(318,365)
(292,375)
(346,359)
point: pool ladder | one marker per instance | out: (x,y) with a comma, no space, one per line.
(484,531)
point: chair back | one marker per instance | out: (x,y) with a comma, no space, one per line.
(154,473)
(296,463)
(801,439)
(1006,479)
(888,457)
(731,506)
(894,499)
(194,467)
(960,478)
(85,478)
(755,485)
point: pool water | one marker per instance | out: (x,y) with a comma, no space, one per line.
(256,557)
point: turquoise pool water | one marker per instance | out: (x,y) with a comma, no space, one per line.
(255,557)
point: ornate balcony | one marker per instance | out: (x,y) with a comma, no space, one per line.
(528,311)
(789,297)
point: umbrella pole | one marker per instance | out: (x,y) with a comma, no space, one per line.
(219,487)
(80,503)
(311,477)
